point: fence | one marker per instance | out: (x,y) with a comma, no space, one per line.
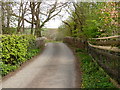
(107,54)
(105,51)
(76,42)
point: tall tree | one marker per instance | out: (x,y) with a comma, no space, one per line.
(41,16)
(21,15)
(0,18)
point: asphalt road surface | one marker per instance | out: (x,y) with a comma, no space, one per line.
(54,68)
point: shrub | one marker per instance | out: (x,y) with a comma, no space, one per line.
(16,49)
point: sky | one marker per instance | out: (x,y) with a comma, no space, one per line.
(53,23)
(57,21)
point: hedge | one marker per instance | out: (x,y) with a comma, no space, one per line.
(15,50)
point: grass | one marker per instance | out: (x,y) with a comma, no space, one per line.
(93,76)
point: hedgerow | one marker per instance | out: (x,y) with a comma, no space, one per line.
(16,49)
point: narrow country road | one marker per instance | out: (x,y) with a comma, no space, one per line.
(54,68)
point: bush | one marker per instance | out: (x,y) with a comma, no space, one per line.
(16,49)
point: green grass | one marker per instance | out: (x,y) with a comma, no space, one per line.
(93,76)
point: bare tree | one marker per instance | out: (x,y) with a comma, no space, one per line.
(32,6)
(39,14)
(22,11)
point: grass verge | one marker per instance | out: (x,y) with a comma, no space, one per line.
(93,76)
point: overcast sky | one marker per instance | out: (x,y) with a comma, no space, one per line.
(53,23)
(57,21)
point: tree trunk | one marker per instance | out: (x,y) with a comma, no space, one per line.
(0,19)
(32,6)
(32,24)
(3,17)
(38,29)
(8,16)
(23,30)
(8,20)
(19,19)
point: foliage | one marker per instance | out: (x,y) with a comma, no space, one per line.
(6,68)
(91,29)
(16,49)
(92,19)
(93,76)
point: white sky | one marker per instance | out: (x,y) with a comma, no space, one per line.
(53,23)
(57,21)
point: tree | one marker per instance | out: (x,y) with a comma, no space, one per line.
(92,19)
(40,13)
(22,12)
(43,16)
(0,18)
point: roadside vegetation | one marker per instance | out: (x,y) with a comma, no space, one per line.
(16,49)
(21,25)
(93,76)
(91,21)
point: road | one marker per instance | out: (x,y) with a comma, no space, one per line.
(54,68)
